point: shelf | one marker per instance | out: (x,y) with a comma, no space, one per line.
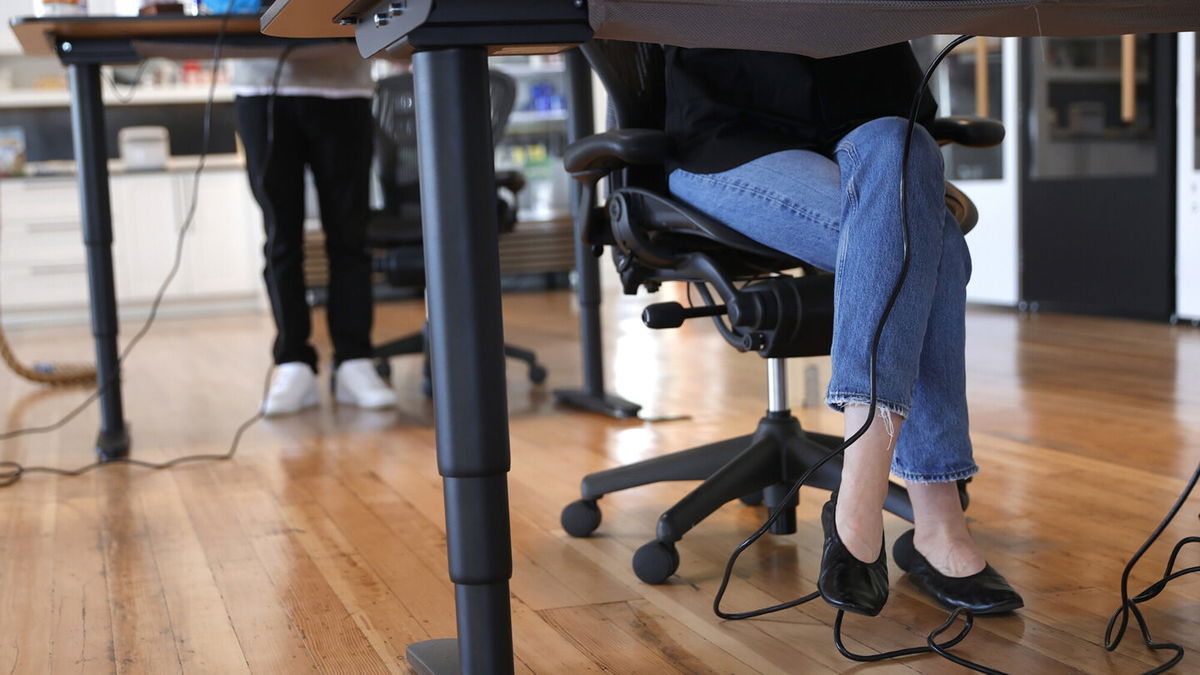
(525,118)
(1089,76)
(527,70)
(60,98)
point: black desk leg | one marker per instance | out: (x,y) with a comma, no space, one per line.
(592,396)
(462,262)
(91,156)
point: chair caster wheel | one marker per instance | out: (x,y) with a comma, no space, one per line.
(581,517)
(752,499)
(384,368)
(427,387)
(655,562)
(537,373)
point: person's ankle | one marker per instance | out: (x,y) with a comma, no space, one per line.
(950,550)
(860,529)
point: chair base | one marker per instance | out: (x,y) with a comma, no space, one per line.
(758,467)
(601,403)
(418,343)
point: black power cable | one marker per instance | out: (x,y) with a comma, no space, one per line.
(931,646)
(11,472)
(162,289)
(1130,605)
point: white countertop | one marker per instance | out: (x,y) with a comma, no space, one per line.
(65,169)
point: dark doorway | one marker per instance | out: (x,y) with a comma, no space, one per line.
(1098,177)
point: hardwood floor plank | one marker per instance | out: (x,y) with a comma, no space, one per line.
(205,639)
(321,547)
(143,637)
(333,639)
(82,638)
(271,642)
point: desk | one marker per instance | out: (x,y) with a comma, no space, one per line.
(83,44)
(451,40)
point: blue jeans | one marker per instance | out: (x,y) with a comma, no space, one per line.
(842,215)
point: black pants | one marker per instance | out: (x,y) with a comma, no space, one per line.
(333,138)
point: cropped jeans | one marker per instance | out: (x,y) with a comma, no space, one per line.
(842,215)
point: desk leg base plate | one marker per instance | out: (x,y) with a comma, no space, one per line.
(112,445)
(434,657)
(605,404)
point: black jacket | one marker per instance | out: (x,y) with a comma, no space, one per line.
(728,107)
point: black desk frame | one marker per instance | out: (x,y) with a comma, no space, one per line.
(83,58)
(451,45)
(88,136)
(466,340)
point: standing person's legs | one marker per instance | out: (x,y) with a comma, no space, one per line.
(340,133)
(278,185)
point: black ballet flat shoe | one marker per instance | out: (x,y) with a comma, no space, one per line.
(985,592)
(846,582)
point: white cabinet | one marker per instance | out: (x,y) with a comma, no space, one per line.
(43,273)
(41,250)
(145,229)
(223,249)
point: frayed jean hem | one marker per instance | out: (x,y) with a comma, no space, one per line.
(839,400)
(909,477)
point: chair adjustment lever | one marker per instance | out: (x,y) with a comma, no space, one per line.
(673,314)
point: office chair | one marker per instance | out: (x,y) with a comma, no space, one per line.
(395,229)
(759,306)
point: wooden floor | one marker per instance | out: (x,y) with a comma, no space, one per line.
(321,546)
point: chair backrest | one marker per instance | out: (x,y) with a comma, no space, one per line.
(394,109)
(634,75)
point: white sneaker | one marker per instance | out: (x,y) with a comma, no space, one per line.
(293,388)
(357,383)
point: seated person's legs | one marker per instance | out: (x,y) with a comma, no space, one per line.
(843,216)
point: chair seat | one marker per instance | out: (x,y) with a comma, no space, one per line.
(675,228)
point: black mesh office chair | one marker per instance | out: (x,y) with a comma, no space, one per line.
(655,238)
(395,230)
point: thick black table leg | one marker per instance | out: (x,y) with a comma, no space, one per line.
(592,396)
(467,350)
(91,156)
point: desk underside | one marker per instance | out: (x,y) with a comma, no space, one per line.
(816,27)
(832,27)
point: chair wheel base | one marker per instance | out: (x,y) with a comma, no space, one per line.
(581,517)
(384,368)
(537,373)
(752,499)
(655,562)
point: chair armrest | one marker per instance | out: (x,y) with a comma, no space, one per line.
(972,132)
(616,149)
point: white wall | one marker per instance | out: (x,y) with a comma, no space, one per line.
(1187,267)
(9,9)
(993,242)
